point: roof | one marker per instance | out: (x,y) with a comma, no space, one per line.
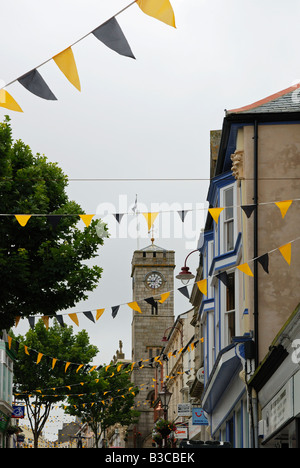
(287,100)
(153,248)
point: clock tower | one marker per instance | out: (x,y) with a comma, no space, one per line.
(152,275)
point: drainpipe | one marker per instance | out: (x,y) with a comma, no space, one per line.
(255,252)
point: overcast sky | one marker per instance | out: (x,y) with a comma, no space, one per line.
(144,118)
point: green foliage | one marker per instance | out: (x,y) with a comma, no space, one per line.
(40,385)
(107,400)
(43,269)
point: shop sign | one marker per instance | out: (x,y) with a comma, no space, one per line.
(181,433)
(3,421)
(279,410)
(184,409)
(18,412)
(199,418)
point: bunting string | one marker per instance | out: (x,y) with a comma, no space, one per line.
(285,250)
(109,33)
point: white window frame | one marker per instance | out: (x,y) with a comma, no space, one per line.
(226,221)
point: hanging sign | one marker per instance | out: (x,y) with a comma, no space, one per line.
(199,418)
(18,412)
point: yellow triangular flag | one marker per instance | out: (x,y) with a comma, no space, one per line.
(284,206)
(244,268)
(22,219)
(164,297)
(93,368)
(26,350)
(74,318)
(79,367)
(9,341)
(150,218)
(40,355)
(7,101)
(134,306)
(215,213)
(46,321)
(53,362)
(159,9)
(202,285)
(87,219)
(67,365)
(17,321)
(99,313)
(66,63)
(286,252)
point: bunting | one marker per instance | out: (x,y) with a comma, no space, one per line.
(150,218)
(35,83)
(284,206)
(215,213)
(159,9)
(66,63)
(112,36)
(109,33)
(244,268)
(286,252)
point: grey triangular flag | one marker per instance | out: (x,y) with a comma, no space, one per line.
(223,277)
(182,214)
(54,220)
(115,310)
(60,320)
(34,83)
(248,209)
(264,261)
(112,36)
(90,316)
(118,216)
(184,290)
(31,321)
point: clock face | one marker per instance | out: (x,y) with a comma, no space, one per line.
(154,280)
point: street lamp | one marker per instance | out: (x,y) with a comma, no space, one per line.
(165,397)
(185,275)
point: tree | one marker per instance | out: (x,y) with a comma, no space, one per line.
(42,267)
(41,384)
(109,400)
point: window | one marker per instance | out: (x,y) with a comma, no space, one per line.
(230,309)
(228,220)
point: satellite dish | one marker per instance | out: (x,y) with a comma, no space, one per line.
(200,375)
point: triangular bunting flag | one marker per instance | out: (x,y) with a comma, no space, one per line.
(74,318)
(66,63)
(9,339)
(264,261)
(215,213)
(8,102)
(31,321)
(17,320)
(150,218)
(45,319)
(112,36)
(54,360)
(244,268)
(158,9)
(115,311)
(248,209)
(284,206)
(35,83)
(66,366)
(164,297)
(184,290)
(182,214)
(89,315)
(22,219)
(99,312)
(54,220)
(26,350)
(202,285)
(87,219)
(223,276)
(286,252)
(118,216)
(151,301)
(40,355)
(135,306)
(60,320)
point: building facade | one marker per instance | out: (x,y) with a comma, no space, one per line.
(250,258)
(152,275)
(6,390)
